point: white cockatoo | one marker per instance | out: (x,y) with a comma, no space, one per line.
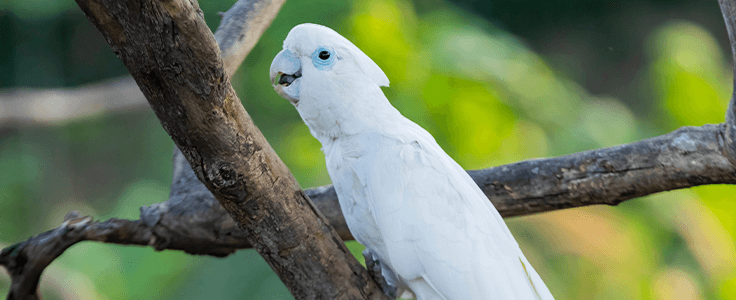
(417,212)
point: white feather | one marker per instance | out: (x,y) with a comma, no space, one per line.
(403,197)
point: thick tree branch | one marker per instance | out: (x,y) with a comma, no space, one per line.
(176,62)
(193,221)
(728,9)
(687,157)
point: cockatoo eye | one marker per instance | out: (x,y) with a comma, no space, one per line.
(323,58)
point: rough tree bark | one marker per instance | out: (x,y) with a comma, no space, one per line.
(176,62)
(728,9)
(193,221)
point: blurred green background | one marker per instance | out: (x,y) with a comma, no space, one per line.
(494,81)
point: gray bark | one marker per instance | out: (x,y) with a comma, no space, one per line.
(193,220)
(176,62)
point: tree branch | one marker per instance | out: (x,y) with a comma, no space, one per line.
(26,261)
(241,27)
(687,157)
(176,62)
(728,9)
(38,107)
(26,107)
(193,221)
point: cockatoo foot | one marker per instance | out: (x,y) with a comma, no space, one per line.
(374,269)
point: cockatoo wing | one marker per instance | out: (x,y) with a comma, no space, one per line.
(403,198)
(441,235)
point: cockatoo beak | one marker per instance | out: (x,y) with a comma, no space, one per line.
(286,69)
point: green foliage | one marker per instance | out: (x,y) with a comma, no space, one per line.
(488,96)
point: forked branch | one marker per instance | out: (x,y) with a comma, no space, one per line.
(192,219)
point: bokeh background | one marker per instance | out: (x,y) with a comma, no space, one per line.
(494,81)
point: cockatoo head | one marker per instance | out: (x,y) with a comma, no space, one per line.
(316,57)
(334,86)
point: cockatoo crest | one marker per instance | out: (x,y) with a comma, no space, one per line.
(333,85)
(328,51)
(306,39)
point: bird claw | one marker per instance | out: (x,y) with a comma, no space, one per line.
(374,270)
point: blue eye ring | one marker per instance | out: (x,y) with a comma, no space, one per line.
(323,58)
